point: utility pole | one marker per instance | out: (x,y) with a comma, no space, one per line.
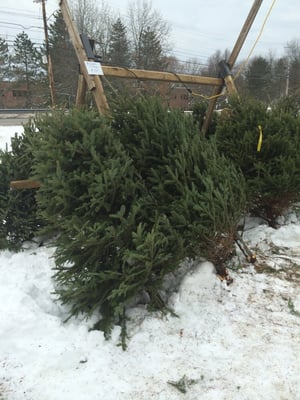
(287,85)
(48,55)
(288,70)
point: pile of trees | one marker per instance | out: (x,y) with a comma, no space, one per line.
(128,197)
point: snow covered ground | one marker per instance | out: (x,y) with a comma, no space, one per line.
(6,132)
(236,342)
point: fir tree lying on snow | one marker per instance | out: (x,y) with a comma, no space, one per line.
(131,196)
(265,144)
(18,218)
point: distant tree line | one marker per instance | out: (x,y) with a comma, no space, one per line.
(141,40)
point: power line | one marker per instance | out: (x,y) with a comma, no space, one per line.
(20,14)
(13,24)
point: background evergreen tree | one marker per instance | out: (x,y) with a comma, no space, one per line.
(119,49)
(141,19)
(4,66)
(119,54)
(27,65)
(4,60)
(150,55)
(259,79)
(64,60)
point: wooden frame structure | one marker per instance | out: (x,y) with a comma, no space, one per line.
(93,83)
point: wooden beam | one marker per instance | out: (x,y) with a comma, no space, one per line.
(93,82)
(25,184)
(231,61)
(142,74)
(81,91)
(244,33)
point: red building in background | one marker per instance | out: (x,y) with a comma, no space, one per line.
(180,98)
(16,95)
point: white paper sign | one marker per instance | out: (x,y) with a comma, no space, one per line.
(93,68)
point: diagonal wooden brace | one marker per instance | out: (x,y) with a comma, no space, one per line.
(93,82)
(231,61)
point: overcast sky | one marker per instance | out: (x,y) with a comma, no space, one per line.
(198,27)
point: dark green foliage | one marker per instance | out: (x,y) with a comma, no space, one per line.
(18,220)
(210,198)
(131,197)
(198,191)
(272,174)
(88,193)
(92,193)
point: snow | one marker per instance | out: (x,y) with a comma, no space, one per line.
(6,132)
(236,342)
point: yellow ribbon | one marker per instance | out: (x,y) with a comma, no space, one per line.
(260,138)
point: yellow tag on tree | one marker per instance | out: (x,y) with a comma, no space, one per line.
(260,138)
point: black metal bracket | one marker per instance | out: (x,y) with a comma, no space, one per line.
(224,69)
(89,46)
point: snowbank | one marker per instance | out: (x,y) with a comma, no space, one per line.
(6,132)
(237,342)
(229,342)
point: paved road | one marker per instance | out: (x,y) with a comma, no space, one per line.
(18,116)
(14,119)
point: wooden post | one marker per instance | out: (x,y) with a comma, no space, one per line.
(48,55)
(25,184)
(49,60)
(93,82)
(231,61)
(81,91)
